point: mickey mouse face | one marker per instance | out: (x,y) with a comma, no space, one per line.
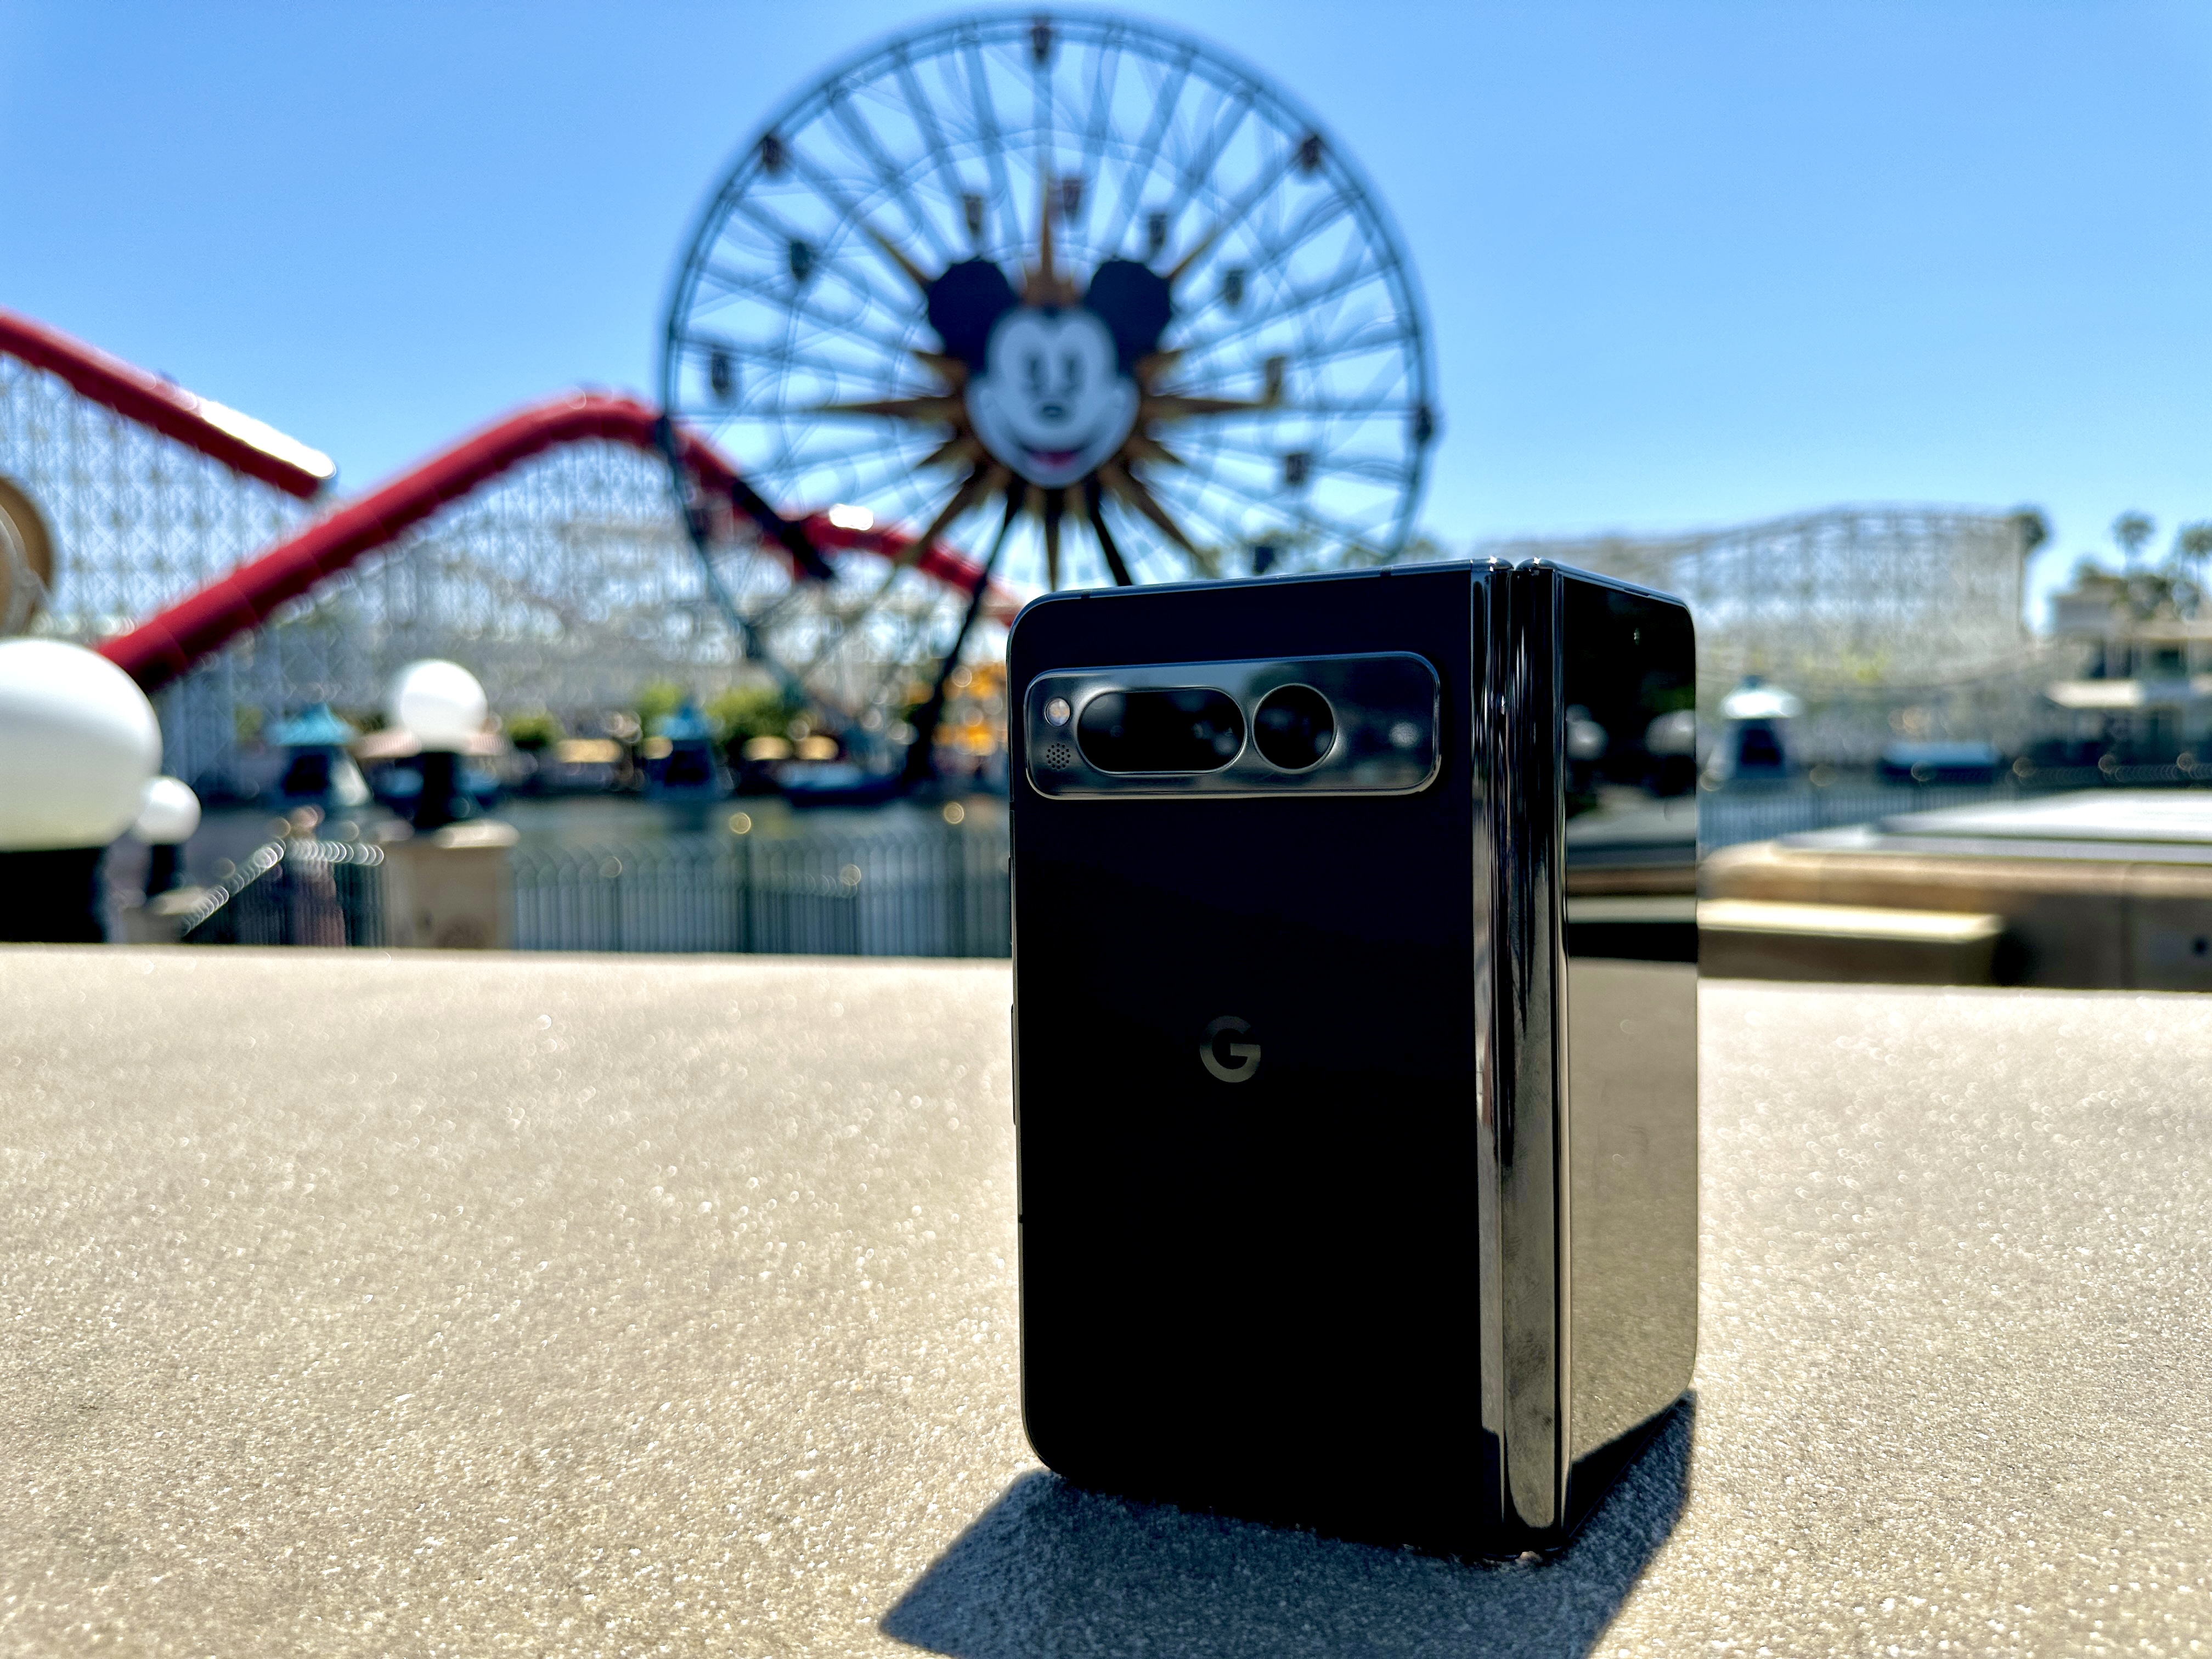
(1051,401)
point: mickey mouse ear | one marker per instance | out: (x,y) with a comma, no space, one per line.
(1132,301)
(964,305)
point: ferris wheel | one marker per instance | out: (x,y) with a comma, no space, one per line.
(1076,294)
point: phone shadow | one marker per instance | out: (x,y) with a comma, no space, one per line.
(1051,1570)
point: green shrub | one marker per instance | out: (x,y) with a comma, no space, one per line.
(530,732)
(656,701)
(750,711)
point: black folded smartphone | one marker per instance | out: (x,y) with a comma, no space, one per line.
(1355,974)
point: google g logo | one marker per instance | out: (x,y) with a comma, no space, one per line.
(1241,1059)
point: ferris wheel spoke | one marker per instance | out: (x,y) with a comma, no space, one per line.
(1095,507)
(925,122)
(987,128)
(1162,113)
(1385,381)
(888,175)
(784,358)
(793,456)
(1320,216)
(1362,340)
(1272,178)
(1320,465)
(1353,267)
(1302,512)
(973,490)
(1384,392)
(733,282)
(850,212)
(1134,492)
(788,235)
(1105,79)
(1195,173)
(1042,52)
(1335,287)
(1320,453)
(804,485)
(1202,508)
(772,356)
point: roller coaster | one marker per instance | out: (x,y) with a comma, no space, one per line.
(548,550)
(1884,621)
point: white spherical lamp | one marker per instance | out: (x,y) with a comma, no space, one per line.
(167,815)
(440,703)
(168,812)
(78,741)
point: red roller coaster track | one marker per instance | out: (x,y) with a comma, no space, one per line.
(167,644)
(239,441)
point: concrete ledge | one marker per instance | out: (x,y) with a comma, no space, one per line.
(363,1303)
(2088,924)
(1750,938)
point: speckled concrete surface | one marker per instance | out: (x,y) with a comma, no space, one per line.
(551,1306)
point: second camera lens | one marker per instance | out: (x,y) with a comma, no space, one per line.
(1294,727)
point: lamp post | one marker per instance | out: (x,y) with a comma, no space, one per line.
(78,741)
(443,706)
(168,812)
(449,886)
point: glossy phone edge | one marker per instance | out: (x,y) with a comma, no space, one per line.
(1525,1174)
(1522,1164)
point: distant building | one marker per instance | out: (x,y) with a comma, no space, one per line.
(2136,682)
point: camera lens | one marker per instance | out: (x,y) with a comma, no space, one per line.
(1186,729)
(1294,727)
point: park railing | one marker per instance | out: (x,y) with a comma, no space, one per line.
(295,892)
(927,892)
(1743,812)
(1728,817)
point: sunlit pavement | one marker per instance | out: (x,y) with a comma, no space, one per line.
(467,1305)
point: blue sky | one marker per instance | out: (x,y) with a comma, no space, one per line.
(1686,264)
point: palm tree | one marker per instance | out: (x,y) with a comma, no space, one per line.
(2131,530)
(2192,545)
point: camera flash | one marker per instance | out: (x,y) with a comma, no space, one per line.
(1057,712)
